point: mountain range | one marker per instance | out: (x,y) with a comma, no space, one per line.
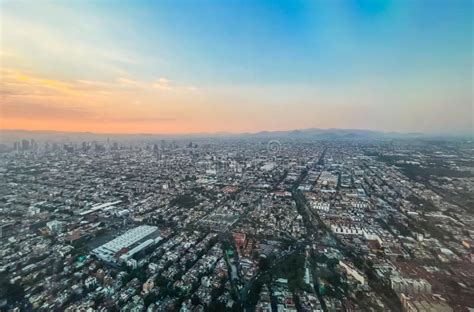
(9,135)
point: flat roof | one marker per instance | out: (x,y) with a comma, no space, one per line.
(108,250)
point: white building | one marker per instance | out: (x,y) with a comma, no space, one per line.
(130,243)
(356,274)
(91,281)
(55,226)
(410,286)
(321,206)
(345,230)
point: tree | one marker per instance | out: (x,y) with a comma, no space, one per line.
(13,292)
(151,298)
(264,263)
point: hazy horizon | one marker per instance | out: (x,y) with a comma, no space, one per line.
(222,66)
(314,133)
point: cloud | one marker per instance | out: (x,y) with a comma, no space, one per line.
(22,84)
(138,119)
(127,82)
(12,79)
(162,83)
(62,41)
(28,97)
(52,112)
(166,84)
(29,110)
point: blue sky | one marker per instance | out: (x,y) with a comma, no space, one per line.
(296,41)
(377,57)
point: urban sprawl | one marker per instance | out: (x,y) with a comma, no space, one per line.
(233,224)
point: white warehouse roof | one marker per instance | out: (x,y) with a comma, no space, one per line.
(107,251)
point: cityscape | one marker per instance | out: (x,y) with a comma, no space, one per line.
(240,156)
(240,223)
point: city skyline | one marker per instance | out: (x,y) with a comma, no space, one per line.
(189,67)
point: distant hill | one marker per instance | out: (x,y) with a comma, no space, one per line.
(336,134)
(312,133)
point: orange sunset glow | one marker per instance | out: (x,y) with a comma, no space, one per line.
(85,68)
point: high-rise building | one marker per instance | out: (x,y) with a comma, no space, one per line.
(6,229)
(25,145)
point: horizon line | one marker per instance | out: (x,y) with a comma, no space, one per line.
(448,133)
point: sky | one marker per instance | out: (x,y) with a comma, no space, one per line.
(189,66)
